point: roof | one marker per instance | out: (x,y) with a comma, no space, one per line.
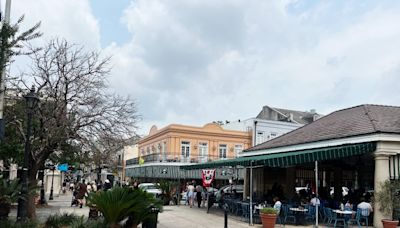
(355,121)
(287,115)
(291,158)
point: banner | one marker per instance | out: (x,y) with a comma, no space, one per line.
(207,175)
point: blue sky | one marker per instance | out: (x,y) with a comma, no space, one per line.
(196,61)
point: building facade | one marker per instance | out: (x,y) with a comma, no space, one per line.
(163,150)
(272,122)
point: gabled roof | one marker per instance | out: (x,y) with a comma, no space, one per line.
(354,121)
(287,115)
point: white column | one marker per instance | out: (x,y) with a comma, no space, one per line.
(381,175)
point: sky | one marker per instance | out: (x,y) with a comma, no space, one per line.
(197,61)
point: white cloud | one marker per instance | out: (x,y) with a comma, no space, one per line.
(196,61)
(69,19)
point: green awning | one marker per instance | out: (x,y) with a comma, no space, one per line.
(292,158)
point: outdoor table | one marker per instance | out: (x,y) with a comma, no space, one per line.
(346,214)
(299,213)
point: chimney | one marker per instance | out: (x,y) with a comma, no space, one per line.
(312,111)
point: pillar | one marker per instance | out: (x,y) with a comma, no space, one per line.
(381,175)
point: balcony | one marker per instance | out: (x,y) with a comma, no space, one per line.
(155,158)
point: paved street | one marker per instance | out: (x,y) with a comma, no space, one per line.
(172,217)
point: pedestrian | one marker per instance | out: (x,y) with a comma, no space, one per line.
(199,196)
(107,185)
(190,190)
(82,189)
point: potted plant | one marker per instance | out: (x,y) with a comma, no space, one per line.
(268,217)
(389,199)
(9,190)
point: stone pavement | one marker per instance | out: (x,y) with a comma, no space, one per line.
(172,217)
(61,204)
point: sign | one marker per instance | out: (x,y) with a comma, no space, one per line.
(207,175)
(63,167)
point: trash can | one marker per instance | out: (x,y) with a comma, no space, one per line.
(151,221)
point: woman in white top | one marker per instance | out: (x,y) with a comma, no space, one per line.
(190,189)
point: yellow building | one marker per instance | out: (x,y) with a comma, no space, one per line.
(176,144)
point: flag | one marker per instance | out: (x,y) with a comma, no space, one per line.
(207,176)
(141,161)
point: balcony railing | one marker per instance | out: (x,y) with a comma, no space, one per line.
(153,158)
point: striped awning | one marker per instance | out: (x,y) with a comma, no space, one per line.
(165,171)
(292,158)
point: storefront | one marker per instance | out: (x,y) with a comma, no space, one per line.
(357,147)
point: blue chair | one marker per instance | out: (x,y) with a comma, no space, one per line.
(337,219)
(245,211)
(328,216)
(288,214)
(238,206)
(356,219)
(364,215)
(310,215)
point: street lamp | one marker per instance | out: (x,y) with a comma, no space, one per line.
(52,181)
(42,195)
(31,101)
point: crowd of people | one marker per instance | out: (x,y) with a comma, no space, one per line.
(80,189)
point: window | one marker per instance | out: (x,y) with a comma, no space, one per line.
(273,135)
(164,148)
(185,149)
(203,151)
(222,151)
(238,149)
(260,137)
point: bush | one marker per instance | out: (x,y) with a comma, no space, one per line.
(12,224)
(117,204)
(58,220)
(268,210)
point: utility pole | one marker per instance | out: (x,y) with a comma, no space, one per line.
(3,67)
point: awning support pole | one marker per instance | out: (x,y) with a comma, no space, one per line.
(316,193)
(251,193)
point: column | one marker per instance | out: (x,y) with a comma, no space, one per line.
(381,175)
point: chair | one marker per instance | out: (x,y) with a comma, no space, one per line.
(356,219)
(245,211)
(364,215)
(238,206)
(329,216)
(336,219)
(287,214)
(310,215)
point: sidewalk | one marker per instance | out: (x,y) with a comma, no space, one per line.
(172,216)
(61,204)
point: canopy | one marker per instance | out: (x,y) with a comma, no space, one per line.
(287,159)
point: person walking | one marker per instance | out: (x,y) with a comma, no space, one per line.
(82,189)
(199,191)
(190,189)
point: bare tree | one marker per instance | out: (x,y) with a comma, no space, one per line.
(76,106)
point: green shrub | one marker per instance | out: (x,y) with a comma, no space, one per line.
(58,220)
(118,203)
(12,224)
(268,210)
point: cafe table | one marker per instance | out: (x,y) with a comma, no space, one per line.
(299,213)
(346,214)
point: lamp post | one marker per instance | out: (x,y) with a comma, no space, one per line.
(52,182)
(31,101)
(42,195)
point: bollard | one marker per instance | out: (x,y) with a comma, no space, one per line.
(226,215)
